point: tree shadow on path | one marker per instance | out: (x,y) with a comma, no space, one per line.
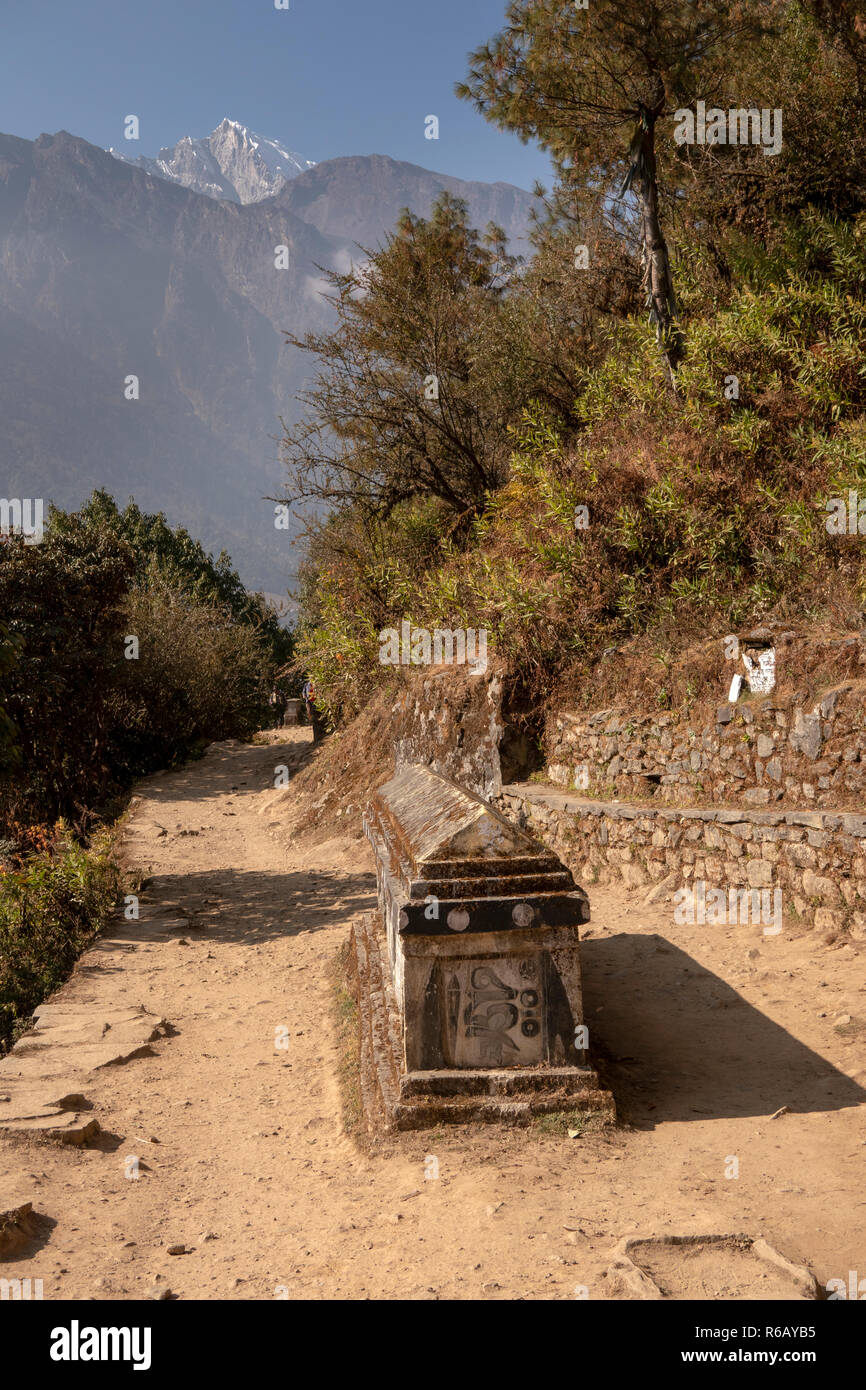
(226,906)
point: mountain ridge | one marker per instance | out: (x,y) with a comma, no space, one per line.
(108,272)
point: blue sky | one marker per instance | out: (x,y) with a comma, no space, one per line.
(326,77)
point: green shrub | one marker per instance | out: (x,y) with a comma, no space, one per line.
(199,675)
(50,910)
(86,719)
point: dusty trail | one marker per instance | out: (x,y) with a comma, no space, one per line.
(243,1158)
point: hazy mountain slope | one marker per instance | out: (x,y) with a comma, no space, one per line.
(107,272)
(361,196)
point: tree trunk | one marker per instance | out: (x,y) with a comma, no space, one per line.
(657,277)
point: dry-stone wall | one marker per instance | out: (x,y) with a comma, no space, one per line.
(763,751)
(816,858)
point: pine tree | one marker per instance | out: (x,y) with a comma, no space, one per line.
(580,78)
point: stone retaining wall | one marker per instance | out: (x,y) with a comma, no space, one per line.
(758,752)
(816,858)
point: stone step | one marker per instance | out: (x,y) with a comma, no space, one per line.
(45,1078)
(421,1113)
(564,1082)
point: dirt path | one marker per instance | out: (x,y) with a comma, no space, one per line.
(707,1032)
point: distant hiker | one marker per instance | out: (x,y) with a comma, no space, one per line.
(274,702)
(309,696)
(281,708)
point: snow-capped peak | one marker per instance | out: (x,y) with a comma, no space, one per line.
(232,162)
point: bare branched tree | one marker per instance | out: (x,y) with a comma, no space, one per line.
(412,396)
